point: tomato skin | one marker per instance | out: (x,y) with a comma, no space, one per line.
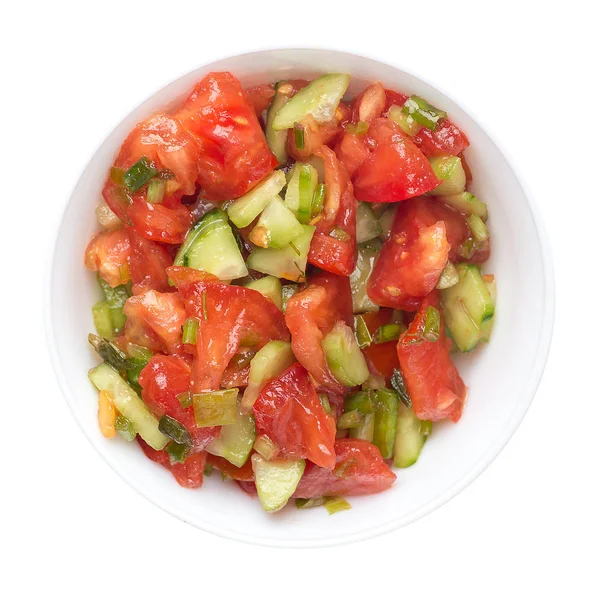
(107,252)
(381,358)
(154,320)
(243,474)
(310,316)
(260,97)
(394,98)
(148,264)
(436,389)
(289,412)
(360,466)
(158,222)
(446,139)
(234,155)
(189,474)
(162,380)
(395,170)
(369,105)
(412,259)
(315,136)
(352,151)
(235,376)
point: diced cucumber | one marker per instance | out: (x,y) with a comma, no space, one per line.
(487,325)
(129,404)
(386,220)
(320,99)
(211,246)
(277,226)
(215,409)
(289,262)
(367,224)
(103,320)
(116,298)
(449,277)
(467,204)
(450,172)
(245,209)
(274,358)
(319,165)
(386,418)
(277,139)
(236,441)
(300,190)
(269,286)
(344,358)
(478,228)
(423,112)
(365,261)
(411,434)
(406,122)
(287,291)
(276,480)
(362,401)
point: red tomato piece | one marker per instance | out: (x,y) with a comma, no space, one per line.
(333,246)
(158,222)
(352,151)
(310,316)
(247,487)
(359,470)
(432,380)
(289,412)
(315,136)
(148,262)
(154,320)
(107,252)
(189,474)
(228,317)
(394,98)
(381,358)
(410,261)
(234,155)
(395,170)
(481,254)
(260,97)
(162,380)
(370,104)
(243,474)
(446,139)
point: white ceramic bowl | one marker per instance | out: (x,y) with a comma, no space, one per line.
(502,377)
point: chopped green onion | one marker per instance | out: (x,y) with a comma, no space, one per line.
(173,429)
(213,409)
(478,228)
(449,277)
(432,324)
(110,352)
(177,452)
(388,333)
(116,176)
(295,248)
(423,112)
(399,385)
(185,399)
(305,194)
(318,200)
(350,419)
(361,401)
(265,447)
(299,137)
(102,320)
(386,418)
(336,504)
(363,336)
(208,469)
(406,122)
(339,234)
(190,329)
(308,503)
(116,298)
(467,249)
(156,190)
(125,428)
(325,403)
(139,174)
(357,129)
(287,291)
(204,308)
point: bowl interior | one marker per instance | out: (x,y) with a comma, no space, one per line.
(501,376)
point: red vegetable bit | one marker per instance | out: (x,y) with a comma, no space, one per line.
(260,97)
(148,264)
(446,139)
(107,252)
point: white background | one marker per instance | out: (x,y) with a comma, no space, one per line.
(527,70)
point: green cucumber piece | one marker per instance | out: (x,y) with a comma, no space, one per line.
(277,139)
(411,434)
(116,298)
(362,402)
(449,277)
(450,172)
(129,404)
(277,226)
(487,325)
(103,320)
(386,220)
(235,441)
(289,262)
(386,418)
(269,286)
(344,357)
(319,98)
(406,121)
(246,208)
(367,224)
(287,292)
(276,480)
(478,228)
(214,409)
(300,191)
(365,261)
(467,204)
(423,112)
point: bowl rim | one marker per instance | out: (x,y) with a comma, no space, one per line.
(487,457)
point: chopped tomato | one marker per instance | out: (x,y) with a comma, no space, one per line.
(107,253)
(289,412)
(411,260)
(237,372)
(260,97)
(147,265)
(310,316)
(247,487)
(352,151)
(245,473)
(189,473)
(162,380)
(432,380)
(395,170)
(234,155)
(315,136)
(159,222)
(154,320)
(228,317)
(333,246)
(446,139)
(381,358)
(394,98)
(481,254)
(359,470)
(369,104)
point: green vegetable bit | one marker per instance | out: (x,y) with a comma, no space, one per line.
(386,418)
(213,409)
(308,503)
(299,137)
(156,191)
(110,352)
(190,329)
(423,112)
(125,428)
(399,385)
(388,333)
(116,298)
(358,129)
(139,174)
(325,403)
(363,336)
(177,452)
(350,420)
(173,429)
(431,331)
(185,399)
(318,200)
(336,504)
(102,320)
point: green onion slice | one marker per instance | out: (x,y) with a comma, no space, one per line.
(299,137)
(363,336)
(318,200)
(358,129)
(325,403)
(399,386)
(431,331)
(350,420)
(139,174)
(125,428)
(213,409)
(388,333)
(110,352)
(265,447)
(423,112)
(156,190)
(336,504)
(173,429)
(185,399)
(190,329)
(177,452)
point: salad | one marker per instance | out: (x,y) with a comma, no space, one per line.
(286,273)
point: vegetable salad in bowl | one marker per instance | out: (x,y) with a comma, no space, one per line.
(286,273)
